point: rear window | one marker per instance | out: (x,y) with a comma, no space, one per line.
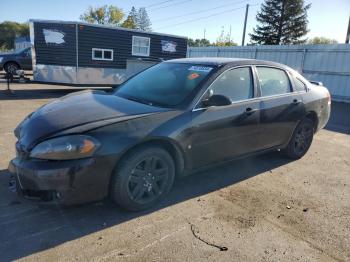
(273,81)
(299,85)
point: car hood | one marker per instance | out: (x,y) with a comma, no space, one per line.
(8,54)
(79,109)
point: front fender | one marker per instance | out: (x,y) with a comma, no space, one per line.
(168,129)
(118,137)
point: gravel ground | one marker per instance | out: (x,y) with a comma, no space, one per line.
(263,208)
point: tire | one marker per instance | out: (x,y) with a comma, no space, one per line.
(142,178)
(11,67)
(301,139)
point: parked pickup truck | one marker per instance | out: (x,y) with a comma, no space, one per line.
(20,59)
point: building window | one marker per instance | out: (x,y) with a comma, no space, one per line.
(102,54)
(140,46)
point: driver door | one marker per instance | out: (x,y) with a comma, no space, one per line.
(224,132)
(26,59)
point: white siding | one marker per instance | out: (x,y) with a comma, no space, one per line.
(329,64)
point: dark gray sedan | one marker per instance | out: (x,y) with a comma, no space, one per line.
(169,120)
(17,60)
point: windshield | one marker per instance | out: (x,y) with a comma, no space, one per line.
(18,51)
(165,84)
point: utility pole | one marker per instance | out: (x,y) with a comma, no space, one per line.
(202,42)
(245,23)
(348,33)
(230,35)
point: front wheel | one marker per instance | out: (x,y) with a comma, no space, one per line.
(142,178)
(301,139)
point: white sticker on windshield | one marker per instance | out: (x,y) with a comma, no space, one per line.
(200,68)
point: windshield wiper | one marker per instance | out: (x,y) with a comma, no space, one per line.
(137,100)
(144,101)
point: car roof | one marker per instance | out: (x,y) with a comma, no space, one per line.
(219,61)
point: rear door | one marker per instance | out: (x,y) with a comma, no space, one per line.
(281,108)
(224,132)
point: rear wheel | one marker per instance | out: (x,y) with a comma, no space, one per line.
(11,67)
(143,178)
(301,139)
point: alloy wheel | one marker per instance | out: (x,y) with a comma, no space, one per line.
(303,139)
(148,180)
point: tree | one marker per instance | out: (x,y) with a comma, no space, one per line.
(9,31)
(281,22)
(132,19)
(143,21)
(198,42)
(320,40)
(111,15)
(224,40)
(134,14)
(129,23)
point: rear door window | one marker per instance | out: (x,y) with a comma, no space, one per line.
(236,84)
(273,81)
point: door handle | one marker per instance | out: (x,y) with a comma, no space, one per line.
(250,110)
(296,101)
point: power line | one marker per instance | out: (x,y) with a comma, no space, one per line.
(201,18)
(177,3)
(200,11)
(159,3)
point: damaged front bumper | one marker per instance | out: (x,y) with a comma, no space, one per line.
(65,182)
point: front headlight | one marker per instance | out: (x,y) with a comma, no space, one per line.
(66,147)
(1,58)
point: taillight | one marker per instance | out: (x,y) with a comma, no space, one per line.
(329,98)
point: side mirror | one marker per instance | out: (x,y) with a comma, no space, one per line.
(316,83)
(216,100)
(26,54)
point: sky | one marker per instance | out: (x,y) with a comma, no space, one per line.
(191,18)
